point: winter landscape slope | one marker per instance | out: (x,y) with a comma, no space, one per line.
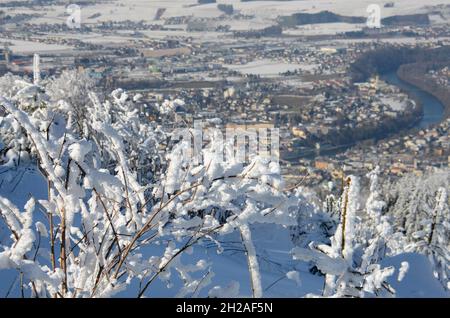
(264,11)
(99,200)
(273,244)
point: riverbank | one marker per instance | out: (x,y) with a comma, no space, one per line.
(411,74)
(431,109)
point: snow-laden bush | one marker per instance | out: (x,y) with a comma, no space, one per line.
(99,220)
(70,102)
(71,90)
(411,216)
(348,274)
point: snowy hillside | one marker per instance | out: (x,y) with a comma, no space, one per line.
(264,11)
(224,149)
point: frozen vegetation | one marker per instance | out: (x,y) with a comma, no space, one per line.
(90,206)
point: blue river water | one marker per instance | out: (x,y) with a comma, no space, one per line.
(433,110)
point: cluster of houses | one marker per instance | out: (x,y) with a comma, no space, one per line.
(414,153)
(312,102)
(441,76)
(333,110)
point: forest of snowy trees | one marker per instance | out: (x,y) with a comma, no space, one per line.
(93,205)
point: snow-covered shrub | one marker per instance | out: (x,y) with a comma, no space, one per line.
(70,102)
(100,220)
(69,92)
(141,138)
(351,261)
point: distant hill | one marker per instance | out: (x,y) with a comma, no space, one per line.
(330,17)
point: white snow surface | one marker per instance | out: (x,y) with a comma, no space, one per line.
(264,10)
(269,68)
(418,281)
(280,274)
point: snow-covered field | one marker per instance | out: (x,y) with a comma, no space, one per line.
(262,14)
(395,103)
(269,68)
(323,29)
(22,46)
(265,11)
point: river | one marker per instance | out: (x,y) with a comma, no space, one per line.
(433,110)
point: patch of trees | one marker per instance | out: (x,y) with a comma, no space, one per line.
(355,34)
(274,30)
(139,84)
(320,17)
(22,3)
(226,8)
(382,128)
(377,130)
(368,33)
(330,17)
(420,19)
(159,13)
(389,59)
(414,74)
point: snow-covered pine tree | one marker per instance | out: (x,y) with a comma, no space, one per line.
(419,209)
(347,275)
